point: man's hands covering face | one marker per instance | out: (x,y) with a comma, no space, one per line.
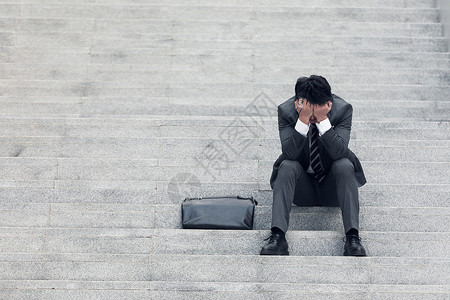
(320,112)
(306,113)
(312,113)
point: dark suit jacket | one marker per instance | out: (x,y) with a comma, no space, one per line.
(333,144)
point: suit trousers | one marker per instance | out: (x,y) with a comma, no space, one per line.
(295,185)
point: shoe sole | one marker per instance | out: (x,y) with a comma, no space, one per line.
(355,254)
(274,253)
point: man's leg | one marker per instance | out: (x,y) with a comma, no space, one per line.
(347,192)
(340,188)
(292,181)
(343,184)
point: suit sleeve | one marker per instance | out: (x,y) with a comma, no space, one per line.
(335,140)
(292,142)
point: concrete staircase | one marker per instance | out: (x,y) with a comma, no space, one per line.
(113,111)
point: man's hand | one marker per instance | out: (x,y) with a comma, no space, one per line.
(299,105)
(306,113)
(320,112)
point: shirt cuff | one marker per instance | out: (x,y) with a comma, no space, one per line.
(323,126)
(301,128)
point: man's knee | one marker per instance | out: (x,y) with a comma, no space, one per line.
(343,167)
(290,167)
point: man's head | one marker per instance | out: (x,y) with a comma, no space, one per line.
(315,89)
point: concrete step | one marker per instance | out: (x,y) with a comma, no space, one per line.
(170,148)
(168,216)
(104,216)
(387,219)
(204,168)
(122,241)
(106,292)
(247,29)
(277,93)
(226,29)
(232,30)
(271,3)
(284,3)
(367,59)
(362,131)
(262,149)
(267,46)
(267,3)
(304,269)
(110,110)
(201,91)
(196,92)
(211,126)
(9,10)
(185,65)
(228,104)
(54,289)
(192,268)
(371,111)
(188,12)
(301,243)
(106,76)
(282,75)
(264,46)
(174,191)
(190,290)
(399,110)
(340,29)
(148,58)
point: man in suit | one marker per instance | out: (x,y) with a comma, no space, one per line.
(316,167)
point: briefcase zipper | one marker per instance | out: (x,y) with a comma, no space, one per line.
(219,197)
(216,197)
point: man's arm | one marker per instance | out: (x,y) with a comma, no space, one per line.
(292,142)
(335,140)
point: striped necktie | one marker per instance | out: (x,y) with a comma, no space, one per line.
(316,165)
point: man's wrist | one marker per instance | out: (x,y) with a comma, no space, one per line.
(301,127)
(304,121)
(323,126)
(321,119)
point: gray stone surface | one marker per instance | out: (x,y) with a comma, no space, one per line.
(227,290)
(444,13)
(79,270)
(75,293)
(189,12)
(272,3)
(111,109)
(261,149)
(301,269)
(302,243)
(142,75)
(102,215)
(386,219)
(412,195)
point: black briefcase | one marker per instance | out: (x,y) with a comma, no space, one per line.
(227,212)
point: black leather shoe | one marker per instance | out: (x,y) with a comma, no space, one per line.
(276,245)
(353,246)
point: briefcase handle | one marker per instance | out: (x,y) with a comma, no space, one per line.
(221,197)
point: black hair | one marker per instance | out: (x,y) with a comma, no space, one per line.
(315,89)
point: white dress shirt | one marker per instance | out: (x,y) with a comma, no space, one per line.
(303,129)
